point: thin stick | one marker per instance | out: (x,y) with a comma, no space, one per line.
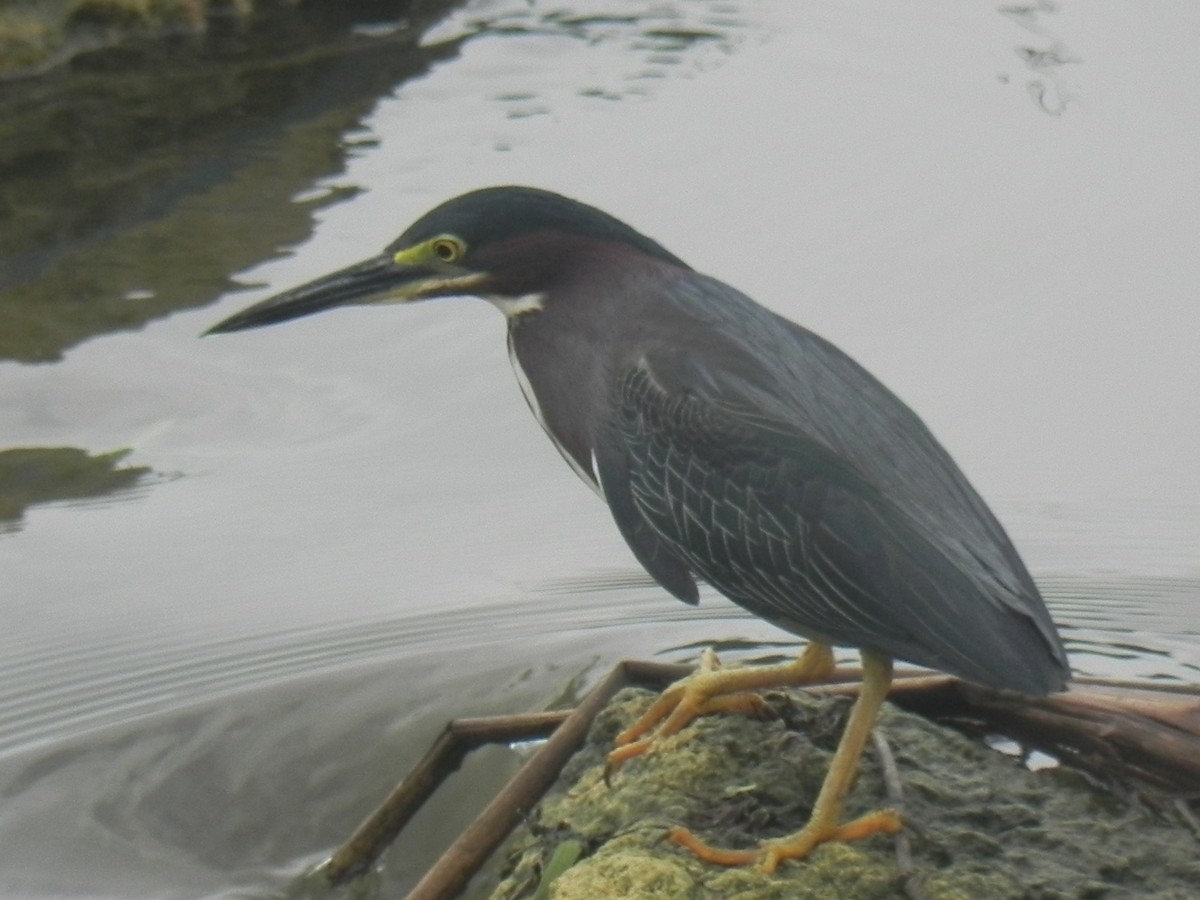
(895,795)
(1190,820)
(462,859)
(368,842)
(459,737)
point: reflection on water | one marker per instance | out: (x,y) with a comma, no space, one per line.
(1044,54)
(30,475)
(1130,628)
(667,40)
(207,687)
(238,796)
(111,221)
(212,778)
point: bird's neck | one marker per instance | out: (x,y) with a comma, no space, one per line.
(557,382)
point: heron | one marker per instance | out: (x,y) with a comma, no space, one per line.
(734,447)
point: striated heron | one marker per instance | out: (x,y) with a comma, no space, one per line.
(733,446)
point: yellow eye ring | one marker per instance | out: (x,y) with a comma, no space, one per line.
(447,250)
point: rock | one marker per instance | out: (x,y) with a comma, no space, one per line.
(980,823)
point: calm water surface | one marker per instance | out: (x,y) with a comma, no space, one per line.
(354,530)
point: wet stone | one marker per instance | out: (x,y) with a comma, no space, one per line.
(980,824)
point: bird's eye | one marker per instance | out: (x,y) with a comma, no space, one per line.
(446,249)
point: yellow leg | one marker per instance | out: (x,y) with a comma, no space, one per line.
(712,689)
(824,823)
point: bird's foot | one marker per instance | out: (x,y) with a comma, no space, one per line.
(769,854)
(713,689)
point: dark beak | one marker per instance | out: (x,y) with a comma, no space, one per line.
(379,279)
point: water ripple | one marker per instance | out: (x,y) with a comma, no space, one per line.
(1135,628)
(53,688)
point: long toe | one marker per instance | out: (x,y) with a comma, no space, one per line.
(769,854)
(813,835)
(713,689)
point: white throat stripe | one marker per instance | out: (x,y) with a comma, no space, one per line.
(518,306)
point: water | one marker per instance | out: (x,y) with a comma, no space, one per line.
(354,531)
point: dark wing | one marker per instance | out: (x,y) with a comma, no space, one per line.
(656,553)
(837,517)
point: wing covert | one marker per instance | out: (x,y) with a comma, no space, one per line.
(796,533)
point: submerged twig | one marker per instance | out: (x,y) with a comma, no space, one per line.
(459,738)
(1189,818)
(895,794)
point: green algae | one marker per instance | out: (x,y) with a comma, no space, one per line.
(980,824)
(565,855)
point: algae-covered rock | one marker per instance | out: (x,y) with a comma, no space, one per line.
(980,824)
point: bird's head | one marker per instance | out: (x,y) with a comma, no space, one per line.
(507,244)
